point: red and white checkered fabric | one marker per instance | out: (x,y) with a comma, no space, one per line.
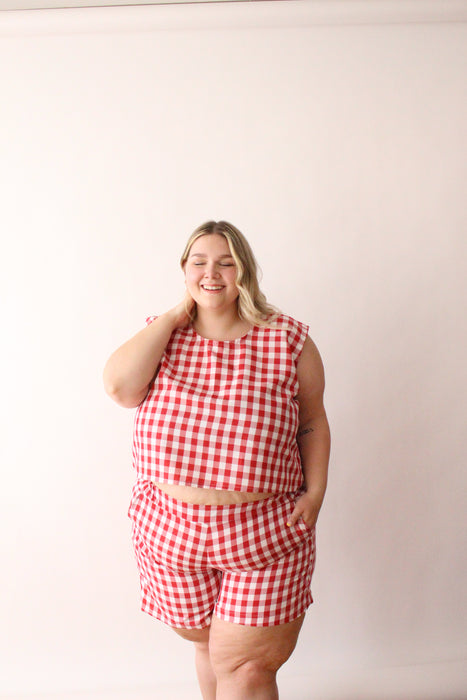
(240,562)
(223,414)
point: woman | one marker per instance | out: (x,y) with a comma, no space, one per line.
(231,449)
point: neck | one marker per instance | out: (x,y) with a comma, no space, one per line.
(218,324)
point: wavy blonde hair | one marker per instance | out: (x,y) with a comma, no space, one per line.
(252,304)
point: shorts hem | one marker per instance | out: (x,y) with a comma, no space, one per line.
(275,622)
(156,615)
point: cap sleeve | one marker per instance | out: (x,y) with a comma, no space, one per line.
(297,333)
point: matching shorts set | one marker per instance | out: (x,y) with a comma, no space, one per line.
(199,426)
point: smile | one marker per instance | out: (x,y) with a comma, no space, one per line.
(212,287)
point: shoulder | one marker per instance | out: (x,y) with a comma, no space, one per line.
(289,323)
(295,331)
(310,369)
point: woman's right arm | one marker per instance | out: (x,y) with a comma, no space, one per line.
(131,368)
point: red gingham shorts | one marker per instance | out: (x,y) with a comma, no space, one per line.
(241,562)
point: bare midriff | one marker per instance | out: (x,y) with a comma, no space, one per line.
(210,497)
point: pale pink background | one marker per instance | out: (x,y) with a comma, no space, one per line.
(340,151)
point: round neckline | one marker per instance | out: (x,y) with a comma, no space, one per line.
(214,340)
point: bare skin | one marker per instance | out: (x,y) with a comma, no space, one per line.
(210,497)
(238,662)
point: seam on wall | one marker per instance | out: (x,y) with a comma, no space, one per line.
(262,14)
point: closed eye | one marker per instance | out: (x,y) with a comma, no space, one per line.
(198,264)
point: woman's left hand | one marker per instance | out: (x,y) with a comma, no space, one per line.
(307,508)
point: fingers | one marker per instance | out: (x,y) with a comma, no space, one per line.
(301,513)
(294,518)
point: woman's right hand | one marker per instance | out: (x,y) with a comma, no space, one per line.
(180,314)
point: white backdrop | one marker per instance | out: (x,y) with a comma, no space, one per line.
(340,151)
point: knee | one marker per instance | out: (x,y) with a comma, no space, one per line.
(247,672)
(246,677)
(255,673)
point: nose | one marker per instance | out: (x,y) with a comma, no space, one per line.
(211,270)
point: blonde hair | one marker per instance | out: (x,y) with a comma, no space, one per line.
(252,304)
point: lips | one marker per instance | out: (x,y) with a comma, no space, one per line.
(212,287)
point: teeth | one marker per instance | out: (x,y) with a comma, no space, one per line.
(210,288)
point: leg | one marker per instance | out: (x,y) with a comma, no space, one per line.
(246,659)
(178,587)
(204,672)
(256,623)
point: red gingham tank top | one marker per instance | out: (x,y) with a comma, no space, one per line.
(222,414)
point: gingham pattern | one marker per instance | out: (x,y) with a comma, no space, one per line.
(241,562)
(223,414)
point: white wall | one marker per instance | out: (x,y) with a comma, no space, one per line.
(340,151)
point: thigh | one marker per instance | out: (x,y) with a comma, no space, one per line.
(177,585)
(233,645)
(196,636)
(271,596)
(177,598)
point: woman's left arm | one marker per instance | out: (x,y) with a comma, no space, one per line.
(313,437)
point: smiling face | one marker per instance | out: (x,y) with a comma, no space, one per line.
(210,273)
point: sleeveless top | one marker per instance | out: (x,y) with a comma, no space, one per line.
(222,414)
